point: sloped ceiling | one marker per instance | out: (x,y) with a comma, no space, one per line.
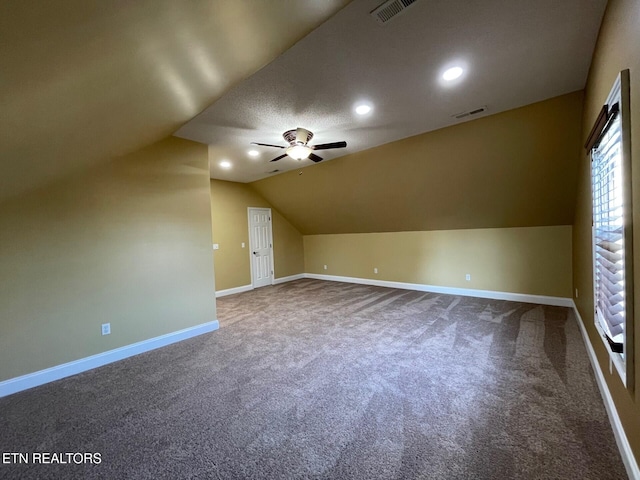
(513,169)
(514,52)
(85,80)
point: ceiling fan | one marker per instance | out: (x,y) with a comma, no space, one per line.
(298,148)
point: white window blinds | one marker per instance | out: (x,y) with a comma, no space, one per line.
(608,225)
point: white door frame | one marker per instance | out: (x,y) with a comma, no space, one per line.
(251,256)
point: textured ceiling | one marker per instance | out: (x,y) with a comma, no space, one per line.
(516,53)
(84,80)
(513,169)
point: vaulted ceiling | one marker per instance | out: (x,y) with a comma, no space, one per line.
(85,80)
(513,53)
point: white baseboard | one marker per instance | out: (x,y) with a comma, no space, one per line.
(24,382)
(246,288)
(628,458)
(466,292)
(290,278)
(231,291)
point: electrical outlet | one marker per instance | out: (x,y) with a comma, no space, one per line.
(375,270)
(216,246)
(325,267)
(242,244)
(106,329)
(468,277)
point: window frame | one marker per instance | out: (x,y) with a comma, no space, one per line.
(619,94)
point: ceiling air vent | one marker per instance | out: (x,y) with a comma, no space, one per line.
(390,9)
(470,113)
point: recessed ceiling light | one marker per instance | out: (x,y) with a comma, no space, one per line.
(452,73)
(253,153)
(225,164)
(363,109)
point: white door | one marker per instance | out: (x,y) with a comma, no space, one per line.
(261,246)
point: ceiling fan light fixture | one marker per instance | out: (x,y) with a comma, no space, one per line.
(299,152)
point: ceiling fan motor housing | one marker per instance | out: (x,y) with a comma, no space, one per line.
(298,136)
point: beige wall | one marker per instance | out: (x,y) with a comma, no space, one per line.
(512,169)
(533,260)
(616,49)
(127,243)
(88,80)
(229,203)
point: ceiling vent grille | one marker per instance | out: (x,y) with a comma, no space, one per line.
(390,9)
(470,113)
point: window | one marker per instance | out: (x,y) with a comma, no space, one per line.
(612,241)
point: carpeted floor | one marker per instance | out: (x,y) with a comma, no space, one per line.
(313,379)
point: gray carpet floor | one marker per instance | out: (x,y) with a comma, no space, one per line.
(323,380)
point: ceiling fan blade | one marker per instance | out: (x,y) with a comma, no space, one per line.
(267,145)
(327,146)
(278,158)
(314,158)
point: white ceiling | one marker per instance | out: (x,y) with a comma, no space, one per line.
(515,52)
